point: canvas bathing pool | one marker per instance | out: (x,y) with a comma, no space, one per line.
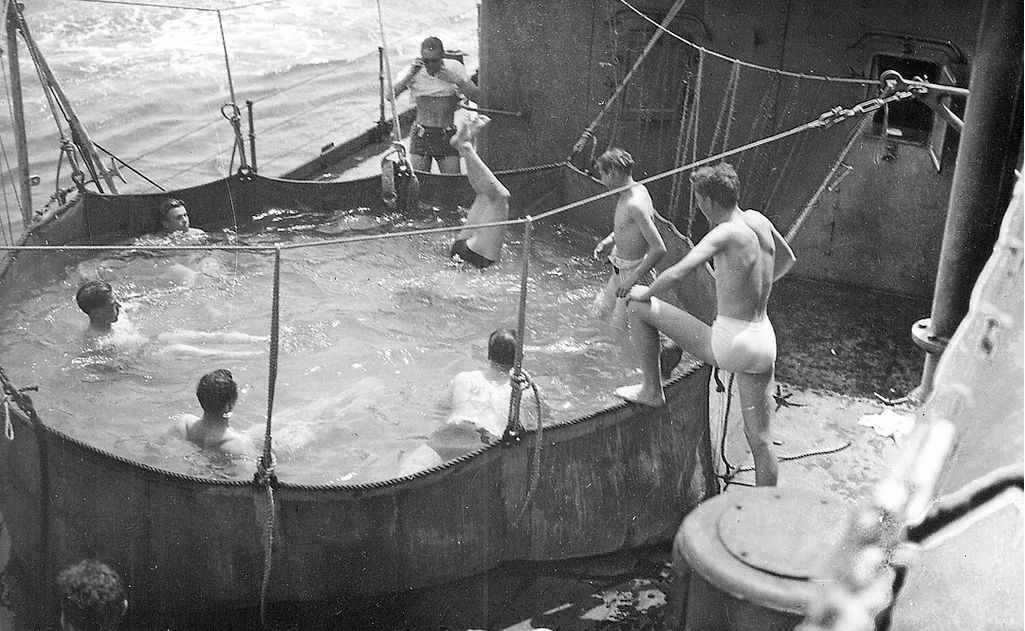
(370,335)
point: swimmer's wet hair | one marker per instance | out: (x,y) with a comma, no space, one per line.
(168,204)
(502,347)
(92,595)
(217,391)
(718,183)
(616,159)
(93,294)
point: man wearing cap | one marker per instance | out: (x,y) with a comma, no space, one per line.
(436,84)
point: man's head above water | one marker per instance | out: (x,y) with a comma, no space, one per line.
(173,215)
(502,347)
(96,299)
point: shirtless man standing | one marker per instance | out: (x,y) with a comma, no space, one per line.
(217,393)
(634,246)
(749,256)
(436,84)
(480,247)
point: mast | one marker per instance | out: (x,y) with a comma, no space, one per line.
(78,133)
(18,110)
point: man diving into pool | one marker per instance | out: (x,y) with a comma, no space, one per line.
(480,247)
(749,256)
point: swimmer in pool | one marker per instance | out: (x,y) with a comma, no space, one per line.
(479,401)
(749,256)
(480,247)
(217,393)
(174,221)
(96,299)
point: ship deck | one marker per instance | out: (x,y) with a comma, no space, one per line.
(838,347)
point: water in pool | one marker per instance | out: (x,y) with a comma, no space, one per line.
(371,334)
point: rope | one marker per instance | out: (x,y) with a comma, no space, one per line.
(746,64)
(126,165)
(578,146)
(535,470)
(794,227)
(513,427)
(396,128)
(227,63)
(695,120)
(826,119)
(264,477)
(725,121)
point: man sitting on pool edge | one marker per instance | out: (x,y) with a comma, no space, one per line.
(480,247)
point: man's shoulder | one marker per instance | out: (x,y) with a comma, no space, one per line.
(183,422)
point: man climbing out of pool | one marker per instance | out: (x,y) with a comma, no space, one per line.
(96,299)
(217,393)
(633,248)
(435,84)
(749,255)
(480,247)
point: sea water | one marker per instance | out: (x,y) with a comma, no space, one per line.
(370,335)
(149,82)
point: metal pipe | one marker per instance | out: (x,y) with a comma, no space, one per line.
(18,110)
(252,137)
(984,173)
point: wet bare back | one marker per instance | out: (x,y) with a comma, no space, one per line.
(744,270)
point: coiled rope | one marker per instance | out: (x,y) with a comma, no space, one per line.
(724,405)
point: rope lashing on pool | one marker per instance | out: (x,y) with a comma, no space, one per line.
(746,64)
(264,477)
(535,469)
(589,131)
(513,427)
